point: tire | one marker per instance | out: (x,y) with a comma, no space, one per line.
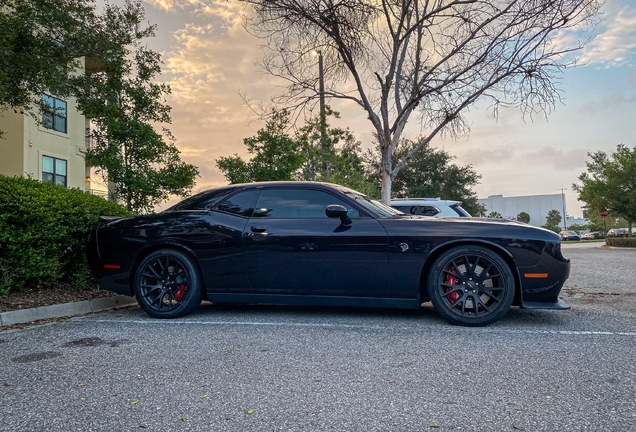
(471,286)
(167,284)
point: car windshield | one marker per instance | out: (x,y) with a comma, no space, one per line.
(374,206)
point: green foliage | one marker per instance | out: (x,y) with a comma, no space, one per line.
(523,217)
(431,173)
(621,242)
(124,103)
(40,42)
(494,215)
(44,229)
(610,183)
(277,156)
(340,162)
(553,218)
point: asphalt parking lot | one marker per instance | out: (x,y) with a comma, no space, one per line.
(272,368)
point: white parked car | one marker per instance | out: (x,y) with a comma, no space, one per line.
(429,207)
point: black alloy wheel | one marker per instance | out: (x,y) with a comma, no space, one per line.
(167,284)
(471,286)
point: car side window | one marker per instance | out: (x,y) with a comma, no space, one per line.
(238,204)
(407,209)
(297,204)
(428,211)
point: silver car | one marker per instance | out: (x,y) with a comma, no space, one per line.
(429,207)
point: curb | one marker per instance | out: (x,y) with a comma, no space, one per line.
(64,310)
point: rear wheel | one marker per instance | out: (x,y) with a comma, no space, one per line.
(167,284)
(471,286)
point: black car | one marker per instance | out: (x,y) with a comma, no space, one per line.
(569,235)
(307,243)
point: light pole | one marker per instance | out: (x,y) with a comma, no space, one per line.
(323,115)
(565,218)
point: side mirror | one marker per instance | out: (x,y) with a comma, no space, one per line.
(338,211)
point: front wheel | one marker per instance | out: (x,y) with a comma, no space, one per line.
(471,286)
(167,284)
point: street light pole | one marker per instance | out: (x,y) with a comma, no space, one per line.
(565,217)
(323,114)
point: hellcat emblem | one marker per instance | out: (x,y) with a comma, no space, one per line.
(404,247)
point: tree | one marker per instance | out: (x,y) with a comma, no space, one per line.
(304,156)
(276,155)
(431,173)
(610,183)
(433,59)
(40,42)
(123,102)
(333,155)
(552,221)
(494,215)
(523,217)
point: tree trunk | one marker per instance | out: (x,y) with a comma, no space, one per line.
(629,229)
(386,187)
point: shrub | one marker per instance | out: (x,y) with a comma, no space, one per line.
(44,229)
(621,242)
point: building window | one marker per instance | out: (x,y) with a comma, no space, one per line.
(55,115)
(53,170)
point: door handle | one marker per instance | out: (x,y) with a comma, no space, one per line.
(258,228)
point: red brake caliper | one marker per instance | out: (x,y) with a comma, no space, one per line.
(179,294)
(451,280)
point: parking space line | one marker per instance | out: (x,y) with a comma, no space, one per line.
(361,326)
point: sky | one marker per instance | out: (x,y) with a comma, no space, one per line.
(210,61)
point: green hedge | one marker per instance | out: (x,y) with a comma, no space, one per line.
(621,242)
(44,229)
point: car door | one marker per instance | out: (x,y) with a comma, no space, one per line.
(292,247)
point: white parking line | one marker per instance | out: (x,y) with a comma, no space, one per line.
(359,326)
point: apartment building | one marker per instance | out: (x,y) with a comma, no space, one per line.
(51,149)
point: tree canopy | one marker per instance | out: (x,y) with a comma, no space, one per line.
(523,217)
(277,155)
(552,220)
(431,174)
(124,104)
(42,42)
(40,45)
(610,183)
(430,59)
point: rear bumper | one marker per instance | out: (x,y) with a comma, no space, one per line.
(110,279)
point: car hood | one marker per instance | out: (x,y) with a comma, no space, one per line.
(465,227)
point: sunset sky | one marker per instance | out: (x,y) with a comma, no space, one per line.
(209,59)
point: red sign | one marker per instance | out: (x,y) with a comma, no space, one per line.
(604,213)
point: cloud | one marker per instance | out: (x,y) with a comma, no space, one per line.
(616,44)
(206,66)
(171,5)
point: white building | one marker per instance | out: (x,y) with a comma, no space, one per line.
(537,206)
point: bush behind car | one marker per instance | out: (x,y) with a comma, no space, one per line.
(621,242)
(44,229)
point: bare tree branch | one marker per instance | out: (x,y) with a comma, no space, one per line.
(433,58)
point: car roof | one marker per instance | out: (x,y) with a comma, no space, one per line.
(417,201)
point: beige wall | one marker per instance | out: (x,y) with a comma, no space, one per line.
(26,142)
(70,146)
(12,146)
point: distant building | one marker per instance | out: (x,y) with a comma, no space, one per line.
(537,206)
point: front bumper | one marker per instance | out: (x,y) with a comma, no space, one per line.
(542,283)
